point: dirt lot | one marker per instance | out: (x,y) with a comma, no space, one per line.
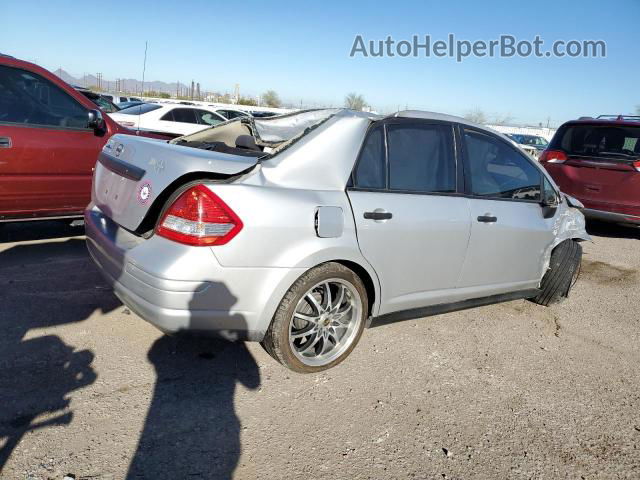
(506,391)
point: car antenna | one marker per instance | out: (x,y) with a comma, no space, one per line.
(144,69)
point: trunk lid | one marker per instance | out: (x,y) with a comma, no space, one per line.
(132,172)
(603,179)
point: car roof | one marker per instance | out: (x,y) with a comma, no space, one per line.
(618,121)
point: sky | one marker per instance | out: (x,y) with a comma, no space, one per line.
(301,50)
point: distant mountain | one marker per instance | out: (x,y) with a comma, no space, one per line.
(126,84)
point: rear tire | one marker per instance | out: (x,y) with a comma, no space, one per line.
(563,271)
(330,303)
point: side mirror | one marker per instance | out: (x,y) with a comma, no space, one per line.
(95,120)
(550,199)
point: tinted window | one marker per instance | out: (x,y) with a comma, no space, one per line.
(140,109)
(497,170)
(421,158)
(594,140)
(370,172)
(26,97)
(208,118)
(108,97)
(184,115)
(123,99)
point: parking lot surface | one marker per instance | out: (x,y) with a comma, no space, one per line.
(513,390)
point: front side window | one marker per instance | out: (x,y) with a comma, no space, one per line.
(495,170)
(421,158)
(28,98)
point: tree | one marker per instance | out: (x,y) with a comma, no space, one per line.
(476,115)
(164,95)
(271,98)
(355,101)
(247,101)
(501,119)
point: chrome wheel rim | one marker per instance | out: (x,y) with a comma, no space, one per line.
(325,322)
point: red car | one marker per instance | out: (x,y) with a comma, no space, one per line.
(50,137)
(597,161)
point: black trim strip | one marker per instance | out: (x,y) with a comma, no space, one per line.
(122,168)
(450,307)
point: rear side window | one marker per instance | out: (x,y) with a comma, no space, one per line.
(421,158)
(28,98)
(123,99)
(496,170)
(183,115)
(370,172)
(596,140)
(141,109)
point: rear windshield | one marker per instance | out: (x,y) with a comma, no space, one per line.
(599,140)
(140,109)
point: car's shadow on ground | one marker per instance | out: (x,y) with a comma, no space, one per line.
(43,285)
(39,230)
(613,230)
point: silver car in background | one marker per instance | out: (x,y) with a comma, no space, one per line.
(301,230)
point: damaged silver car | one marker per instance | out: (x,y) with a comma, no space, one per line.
(299,231)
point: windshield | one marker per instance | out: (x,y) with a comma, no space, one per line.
(597,140)
(140,109)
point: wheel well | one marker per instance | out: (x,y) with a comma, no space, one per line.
(366,279)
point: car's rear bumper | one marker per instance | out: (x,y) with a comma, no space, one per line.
(182,288)
(607,216)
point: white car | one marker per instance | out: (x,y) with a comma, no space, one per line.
(173,118)
(118,99)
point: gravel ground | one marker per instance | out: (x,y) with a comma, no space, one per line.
(507,391)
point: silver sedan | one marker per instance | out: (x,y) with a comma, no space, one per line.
(301,230)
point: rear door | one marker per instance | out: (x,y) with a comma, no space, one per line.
(47,153)
(412,223)
(509,231)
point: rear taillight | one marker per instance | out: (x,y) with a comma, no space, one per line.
(553,156)
(636,165)
(199,217)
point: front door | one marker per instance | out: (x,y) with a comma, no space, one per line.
(412,225)
(47,153)
(509,231)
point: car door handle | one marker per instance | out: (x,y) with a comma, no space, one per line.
(487,219)
(5,142)
(377,215)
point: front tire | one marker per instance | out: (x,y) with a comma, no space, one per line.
(564,267)
(320,319)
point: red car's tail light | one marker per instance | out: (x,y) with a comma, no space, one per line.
(636,165)
(553,156)
(199,217)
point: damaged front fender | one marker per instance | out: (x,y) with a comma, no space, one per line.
(569,224)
